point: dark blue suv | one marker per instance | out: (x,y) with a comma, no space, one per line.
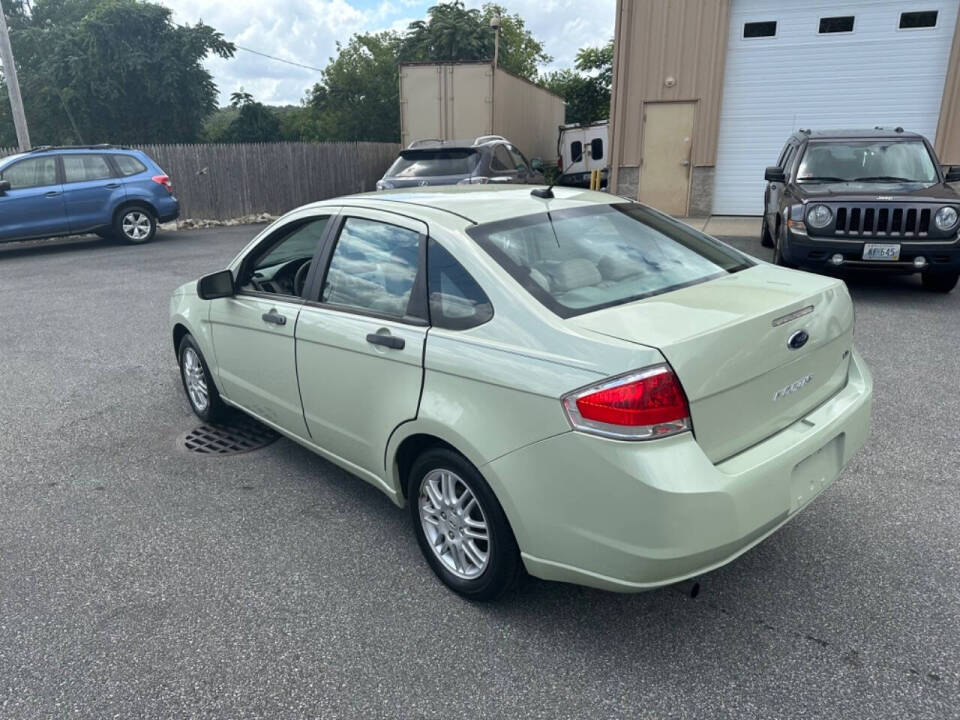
(111,191)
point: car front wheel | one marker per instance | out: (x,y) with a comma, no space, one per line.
(461,527)
(136,225)
(778,258)
(940,282)
(197,383)
(765,239)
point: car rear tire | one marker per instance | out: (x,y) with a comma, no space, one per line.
(198,383)
(135,224)
(461,528)
(765,238)
(940,282)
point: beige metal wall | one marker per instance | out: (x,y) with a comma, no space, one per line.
(948,128)
(667,50)
(460,101)
(527,115)
(445,102)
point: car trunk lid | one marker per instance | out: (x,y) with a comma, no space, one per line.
(728,342)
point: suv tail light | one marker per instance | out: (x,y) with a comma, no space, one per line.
(642,405)
(560,162)
(165,181)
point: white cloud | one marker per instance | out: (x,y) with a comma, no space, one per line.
(306,31)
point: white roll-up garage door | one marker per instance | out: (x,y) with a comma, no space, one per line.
(876,74)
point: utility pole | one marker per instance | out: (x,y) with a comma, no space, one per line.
(13,86)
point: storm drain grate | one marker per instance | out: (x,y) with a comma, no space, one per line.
(239,436)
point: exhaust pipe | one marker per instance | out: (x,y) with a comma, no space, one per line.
(690,588)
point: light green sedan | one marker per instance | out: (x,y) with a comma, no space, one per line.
(574,385)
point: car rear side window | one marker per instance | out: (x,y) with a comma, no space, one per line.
(81,168)
(373,268)
(129,165)
(457,302)
(34,172)
(501,160)
(582,259)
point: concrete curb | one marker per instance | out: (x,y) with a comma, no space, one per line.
(725,225)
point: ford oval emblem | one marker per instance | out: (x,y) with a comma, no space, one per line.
(798,340)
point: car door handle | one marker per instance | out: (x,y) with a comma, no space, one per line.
(390,341)
(112,186)
(274,317)
(52,193)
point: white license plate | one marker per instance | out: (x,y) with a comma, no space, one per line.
(879,251)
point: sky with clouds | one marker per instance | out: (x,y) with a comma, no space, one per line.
(306,31)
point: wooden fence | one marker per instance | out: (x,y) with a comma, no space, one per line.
(219,182)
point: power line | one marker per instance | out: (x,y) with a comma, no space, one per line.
(278,59)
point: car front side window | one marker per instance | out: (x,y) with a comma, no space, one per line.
(373,268)
(281,267)
(33,172)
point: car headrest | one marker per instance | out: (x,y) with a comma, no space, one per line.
(575,273)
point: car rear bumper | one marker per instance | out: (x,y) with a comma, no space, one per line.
(169,210)
(811,251)
(632,516)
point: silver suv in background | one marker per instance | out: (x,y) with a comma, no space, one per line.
(486,159)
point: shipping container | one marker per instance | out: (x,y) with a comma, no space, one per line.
(461,101)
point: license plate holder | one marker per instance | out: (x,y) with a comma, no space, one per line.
(889,252)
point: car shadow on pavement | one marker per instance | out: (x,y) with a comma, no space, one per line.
(50,246)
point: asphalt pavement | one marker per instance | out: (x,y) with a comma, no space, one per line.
(138,580)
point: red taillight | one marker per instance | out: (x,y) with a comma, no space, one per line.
(165,181)
(647,404)
(560,162)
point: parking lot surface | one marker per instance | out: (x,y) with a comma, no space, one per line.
(139,580)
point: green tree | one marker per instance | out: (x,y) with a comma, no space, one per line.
(254,122)
(110,71)
(586,88)
(452,33)
(357,97)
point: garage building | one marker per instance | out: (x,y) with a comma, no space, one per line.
(706,92)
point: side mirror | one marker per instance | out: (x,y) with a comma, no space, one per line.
(215,285)
(952,174)
(4,186)
(774,174)
(536,164)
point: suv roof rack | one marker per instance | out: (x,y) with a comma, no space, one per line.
(101,146)
(484,139)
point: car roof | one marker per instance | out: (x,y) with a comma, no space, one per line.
(460,205)
(845,134)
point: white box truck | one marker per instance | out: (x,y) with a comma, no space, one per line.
(462,101)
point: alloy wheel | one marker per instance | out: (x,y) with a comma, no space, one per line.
(136,225)
(454,524)
(195,380)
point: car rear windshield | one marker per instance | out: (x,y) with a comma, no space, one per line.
(579,260)
(867,161)
(434,163)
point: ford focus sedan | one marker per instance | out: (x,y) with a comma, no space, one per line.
(575,386)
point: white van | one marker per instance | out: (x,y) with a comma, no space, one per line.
(582,147)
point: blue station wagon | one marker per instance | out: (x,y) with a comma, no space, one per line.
(111,191)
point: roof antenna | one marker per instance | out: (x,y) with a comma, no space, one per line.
(547,192)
